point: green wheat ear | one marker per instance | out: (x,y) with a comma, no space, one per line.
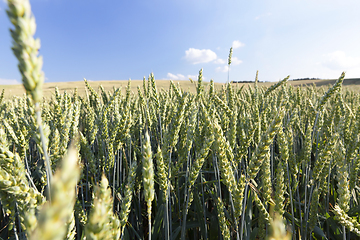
(56,215)
(352,224)
(148,177)
(148,172)
(230,55)
(25,47)
(102,223)
(128,192)
(222,220)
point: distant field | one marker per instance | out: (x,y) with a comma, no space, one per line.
(18,90)
(350,83)
(49,88)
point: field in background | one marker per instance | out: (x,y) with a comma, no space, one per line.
(350,83)
(18,90)
(48,88)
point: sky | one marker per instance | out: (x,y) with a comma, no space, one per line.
(174,39)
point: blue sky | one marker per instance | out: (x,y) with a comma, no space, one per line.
(174,39)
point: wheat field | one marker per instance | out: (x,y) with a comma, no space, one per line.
(229,162)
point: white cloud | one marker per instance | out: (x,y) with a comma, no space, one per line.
(222,69)
(196,56)
(235,61)
(338,60)
(236,44)
(193,77)
(8,81)
(176,76)
(181,77)
(220,61)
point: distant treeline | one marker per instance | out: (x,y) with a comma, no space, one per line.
(245,81)
(297,79)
